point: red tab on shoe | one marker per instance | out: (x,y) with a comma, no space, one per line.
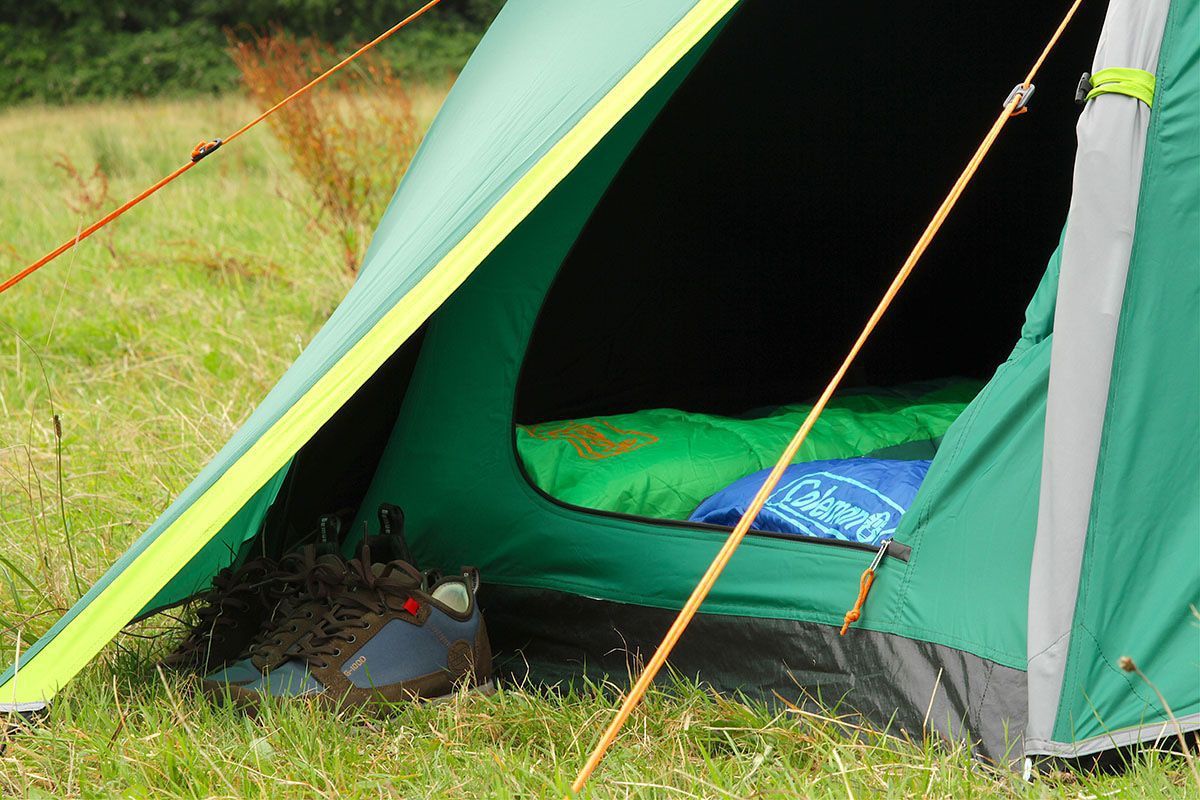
(412,606)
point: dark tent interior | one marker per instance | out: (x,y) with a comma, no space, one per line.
(741,248)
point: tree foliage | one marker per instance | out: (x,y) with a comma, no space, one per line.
(65,50)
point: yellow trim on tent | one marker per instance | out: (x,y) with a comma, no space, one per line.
(103,618)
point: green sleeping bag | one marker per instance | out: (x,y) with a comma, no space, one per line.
(662,462)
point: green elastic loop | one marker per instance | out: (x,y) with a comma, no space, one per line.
(1122,80)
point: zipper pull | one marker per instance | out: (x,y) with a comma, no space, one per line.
(864,587)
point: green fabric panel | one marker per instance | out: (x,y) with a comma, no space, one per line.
(539,70)
(452,464)
(971,527)
(970,563)
(663,462)
(1135,83)
(1039,314)
(1141,567)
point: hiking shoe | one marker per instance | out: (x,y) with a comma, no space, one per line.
(384,639)
(295,590)
(242,600)
(228,618)
(304,588)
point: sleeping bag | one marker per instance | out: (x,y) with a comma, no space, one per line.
(854,499)
(662,462)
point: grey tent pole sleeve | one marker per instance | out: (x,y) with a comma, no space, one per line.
(1112,134)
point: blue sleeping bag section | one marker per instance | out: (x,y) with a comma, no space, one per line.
(854,499)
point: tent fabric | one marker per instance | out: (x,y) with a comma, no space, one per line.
(663,462)
(1012,537)
(1147,448)
(1112,133)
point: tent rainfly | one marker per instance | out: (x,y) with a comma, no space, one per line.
(692,204)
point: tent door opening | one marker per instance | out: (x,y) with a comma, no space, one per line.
(737,252)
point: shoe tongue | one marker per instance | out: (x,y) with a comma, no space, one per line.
(402,570)
(309,554)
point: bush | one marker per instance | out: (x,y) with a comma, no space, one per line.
(60,51)
(59,67)
(350,139)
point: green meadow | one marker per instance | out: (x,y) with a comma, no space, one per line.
(150,343)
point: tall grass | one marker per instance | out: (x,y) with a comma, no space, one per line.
(152,340)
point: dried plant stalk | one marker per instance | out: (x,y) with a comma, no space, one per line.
(350,139)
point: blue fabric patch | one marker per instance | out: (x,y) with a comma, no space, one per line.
(237,674)
(289,679)
(401,651)
(854,499)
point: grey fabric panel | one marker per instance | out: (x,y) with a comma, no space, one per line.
(890,681)
(1095,261)
(1158,732)
(22,708)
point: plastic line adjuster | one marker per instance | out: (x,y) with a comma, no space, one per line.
(1024,91)
(204,148)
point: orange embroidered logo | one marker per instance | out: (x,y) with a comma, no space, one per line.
(592,440)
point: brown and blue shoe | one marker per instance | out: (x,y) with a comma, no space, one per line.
(385,638)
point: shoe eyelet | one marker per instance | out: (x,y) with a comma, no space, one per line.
(353,638)
(308,615)
(337,652)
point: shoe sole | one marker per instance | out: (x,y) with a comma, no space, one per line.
(485,689)
(249,701)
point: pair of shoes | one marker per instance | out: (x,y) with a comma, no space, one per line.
(229,617)
(243,600)
(362,632)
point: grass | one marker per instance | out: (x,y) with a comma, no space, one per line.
(151,343)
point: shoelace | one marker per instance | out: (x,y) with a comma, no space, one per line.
(362,592)
(288,582)
(304,578)
(232,595)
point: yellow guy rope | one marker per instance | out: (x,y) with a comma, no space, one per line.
(1013,106)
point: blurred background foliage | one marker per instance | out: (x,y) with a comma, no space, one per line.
(60,51)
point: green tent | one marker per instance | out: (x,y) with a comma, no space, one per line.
(693,205)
